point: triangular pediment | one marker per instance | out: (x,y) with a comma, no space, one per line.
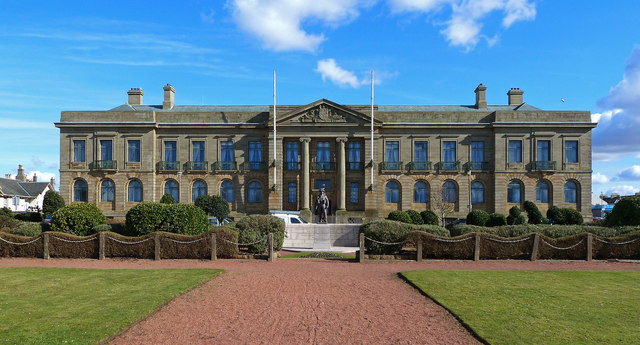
(324,111)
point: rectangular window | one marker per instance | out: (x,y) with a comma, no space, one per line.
(106,150)
(326,184)
(170,151)
(293,193)
(198,155)
(571,151)
(354,193)
(544,150)
(420,154)
(477,151)
(515,151)
(226,155)
(292,156)
(133,154)
(449,151)
(78,151)
(255,155)
(392,155)
(323,155)
(353,156)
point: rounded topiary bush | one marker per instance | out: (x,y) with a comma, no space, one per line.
(77,219)
(533,213)
(415,217)
(497,219)
(555,215)
(400,216)
(478,217)
(572,217)
(147,217)
(32,229)
(515,217)
(625,212)
(256,227)
(167,198)
(429,217)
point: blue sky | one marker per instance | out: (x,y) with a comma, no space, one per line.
(69,55)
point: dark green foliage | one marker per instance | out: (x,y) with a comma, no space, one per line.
(400,216)
(515,217)
(393,232)
(478,217)
(625,212)
(555,215)
(78,219)
(572,217)
(533,213)
(147,217)
(102,228)
(52,202)
(416,218)
(5,211)
(167,198)
(429,217)
(213,205)
(553,231)
(32,229)
(497,219)
(29,217)
(256,227)
(8,222)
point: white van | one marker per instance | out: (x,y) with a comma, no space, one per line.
(289,217)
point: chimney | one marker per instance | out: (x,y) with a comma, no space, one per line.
(35,178)
(515,96)
(53,183)
(7,176)
(169,92)
(21,176)
(481,99)
(135,96)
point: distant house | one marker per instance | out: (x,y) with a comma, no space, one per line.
(22,194)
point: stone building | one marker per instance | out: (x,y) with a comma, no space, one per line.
(452,158)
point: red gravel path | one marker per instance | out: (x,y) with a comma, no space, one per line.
(298,301)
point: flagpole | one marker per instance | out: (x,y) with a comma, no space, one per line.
(275,164)
(372,130)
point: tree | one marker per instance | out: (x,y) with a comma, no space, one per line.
(625,212)
(52,202)
(443,208)
(213,205)
(167,198)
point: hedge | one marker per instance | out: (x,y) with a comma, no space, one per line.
(8,222)
(554,231)
(478,217)
(29,217)
(441,247)
(429,217)
(147,217)
(33,249)
(392,232)
(400,216)
(256,227)
(625,212)
(77,219)
(32,229)
(415,216)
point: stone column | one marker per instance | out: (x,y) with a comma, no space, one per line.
(342,175)
(305,172)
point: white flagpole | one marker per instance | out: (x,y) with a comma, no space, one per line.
(372,129)
(275,176)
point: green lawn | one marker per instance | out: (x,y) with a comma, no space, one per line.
(319,255)
(84,306)
(540,307)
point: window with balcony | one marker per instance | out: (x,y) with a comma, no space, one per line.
(292,156)
(544,150)
(542,192)
(571,151)
(449,192)
(449,155)
(353,156)
(354,193)
(135,191)
(106,150)
(392,155)
(514,192)
(170,157)
(133,151)
(392,192)
(323,155)
(420,192)
(570,192)
(198,188)
(227,161)
(107,191)
(226,190)
(292,196)
(255,192)
(420,154)
(198,161)
(477,156)
(79,151)
(477,192)
(515,151)
(171,187)
(80,193)
(255,155)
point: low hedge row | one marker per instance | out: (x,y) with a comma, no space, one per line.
(427,217)
(254,228)
(147,217)
(554,231)
(389,231)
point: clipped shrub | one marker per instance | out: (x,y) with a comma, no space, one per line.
(167,198)
(572,216)
(515,217)
(29,217)
(415,216)
(400,216)
(478,217)
(256,227)
(497,219)
(393,232)
(8,222)
(226,239)
(555,215)
(429,217)
(102,228)
(533,213)
(77,219)
(213,205)
(148,216)
(118,226)
(553,231)
(625,212)
(32,229)
(5,211)
(52,202)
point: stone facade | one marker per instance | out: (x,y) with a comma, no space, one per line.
(143,151)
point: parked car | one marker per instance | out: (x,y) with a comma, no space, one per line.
(216,222)
(289,218)
(47,220)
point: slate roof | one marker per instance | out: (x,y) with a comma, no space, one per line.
(19,188)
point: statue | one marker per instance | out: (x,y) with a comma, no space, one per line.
(322,206)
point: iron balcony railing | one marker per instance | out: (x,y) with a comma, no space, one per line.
(168,166)
(420,166)
(477,166)
(292,166)
(105,165)
(355,166)
(324,166)
(449,166)
(254,166)
(391,166)
(197,166)
(225,165)
(543,165)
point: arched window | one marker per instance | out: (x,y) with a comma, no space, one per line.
(255,192)
(199,188)
(392,192)
(542,192)
(80,191)
(477,193)
(226,190)
(171,187)
(135,191)
(107,191)
(570,192)
(449,192)
(513,192)
(420,192)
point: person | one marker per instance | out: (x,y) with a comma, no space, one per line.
(322,206)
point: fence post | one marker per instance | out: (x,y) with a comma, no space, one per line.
(419,251)
(157,246)
(536,243)
(361,256)
(101,246)
(271,257)
(45,248)
(214,249)
(476,251)
(589,246)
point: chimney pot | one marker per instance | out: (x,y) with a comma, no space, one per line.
(135,96)
(515,96)
(35,177)
(481,99)
(169,93)
(21,176)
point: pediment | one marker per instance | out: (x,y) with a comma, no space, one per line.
(324,112)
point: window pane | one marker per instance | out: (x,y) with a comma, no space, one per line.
(78,151)
(292,155)
(255,155)
(80,191)
(134,151)
(255,192)
(135,191)
(226,155)
(477,193)
(323,154)
(198,151)
(392,192)
(513,192)
(226,190)
(107,191)
(420,193)
(420,154)
(199,188)
(515,151)
(106,153)
(544,152)
(170,151)
(477,151)
(449,192)
(293,193)
(542,192)
(353,155)
(449,151)
(392,152)
(354,193)
(571,151)
(570,192)
(171,187)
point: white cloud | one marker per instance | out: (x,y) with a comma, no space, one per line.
(42,176)
(329,69)
(631,173)
(623,190)
(417,5)
(618,128)
(599,178)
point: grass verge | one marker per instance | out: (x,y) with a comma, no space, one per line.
(319,255)
(84,306)
(539,307)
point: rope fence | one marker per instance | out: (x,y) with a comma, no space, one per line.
(20,243)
